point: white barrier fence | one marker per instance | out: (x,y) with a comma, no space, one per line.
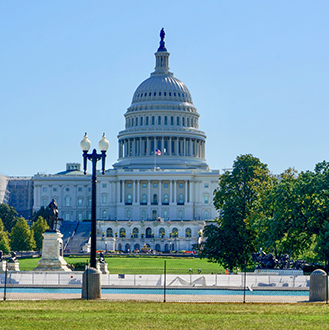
(185,280)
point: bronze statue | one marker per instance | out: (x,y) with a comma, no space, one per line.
(162,34)
(53,214)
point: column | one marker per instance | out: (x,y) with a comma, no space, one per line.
(149,192)
(175,191)
(177,141)
(185,147)
(118,191)
(170,192)
(191,148)
(133,153)
(148,146)
(138,191)
(141,151)
(191,192)
(134,191)
(186,191)
(123,191)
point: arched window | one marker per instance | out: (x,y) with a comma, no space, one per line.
(119,247)
(162,232)
(165,214)
(80,201)
(180,214)
(129,199)
(188,232)
(142,119)
(155,199)
(136,120)
(147,121)
(165,199)
(157,248)
(109,232)
(104,214)
(135,232)
(166,248)
(166,120)
(174,232)
(144,199)
(136,247)
(188,122)
(127,248)
(122,232)
(206,215)
(172,120)
(67,201)
(183,121)
(181,199)
(159,120)
(153,119)
(148,232)
(177,121)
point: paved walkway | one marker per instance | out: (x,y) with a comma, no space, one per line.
(158,297)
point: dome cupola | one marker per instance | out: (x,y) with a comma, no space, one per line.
(161,117)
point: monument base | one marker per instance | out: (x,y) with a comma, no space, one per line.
(291,272)
(102,267)
(3,265)
(13,266)
(52,253)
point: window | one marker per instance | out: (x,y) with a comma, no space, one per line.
(104,214)
(166,185)
(143,214)
(181,185)
(80,201)
(174,232)
(206,185)
(188,232)
(67,201)
(206,199)
(162,232)
(169,93)
(79,189)
(89,201)
(129,185)
(153,120)
(89,215)
(166,120)
(148,232)
(159,120)
(165,214)
(104,185)
(135,232)
(181,199)
(164,93)
(166,199)
(188,122)
(177,121)
(180,214)
(104,198)
(67,217)
(136,121)
(147,121)
(67,189)
(171,120)
(109,232)
(206,214)
(144,185)
(129,200)
(155,185)
(79,216)
(44,202)
(54,189)
(155,199)
(159,93)
(183,121)
(144,200)
(122,232)
(142,121)
(44,189)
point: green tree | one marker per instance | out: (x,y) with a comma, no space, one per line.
(232,238)
(4,240)
(8,215)
(21,237)
(39,227)
(42,212)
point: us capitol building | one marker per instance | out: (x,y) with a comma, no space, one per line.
(159,192)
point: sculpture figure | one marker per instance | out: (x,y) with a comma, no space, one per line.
(13,257)
(53,214)
(101,258)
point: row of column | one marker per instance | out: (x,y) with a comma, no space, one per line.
(134,147)
(172,198)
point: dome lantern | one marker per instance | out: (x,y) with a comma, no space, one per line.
(161,57)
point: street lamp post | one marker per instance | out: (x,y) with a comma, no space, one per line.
(94,157)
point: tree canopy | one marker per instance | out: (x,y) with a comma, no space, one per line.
(21,237)
(39,227)
(8,215)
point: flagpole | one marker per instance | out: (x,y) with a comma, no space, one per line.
(155,160)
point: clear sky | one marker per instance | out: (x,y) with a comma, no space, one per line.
(258,73)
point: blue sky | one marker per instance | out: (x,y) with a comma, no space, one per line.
(257,70)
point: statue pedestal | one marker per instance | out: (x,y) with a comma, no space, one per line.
(102,267)
(13,266)
(52,253)
(3,265)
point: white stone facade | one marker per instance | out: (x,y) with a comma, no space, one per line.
(161,177)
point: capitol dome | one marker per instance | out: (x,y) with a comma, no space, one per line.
(162,124)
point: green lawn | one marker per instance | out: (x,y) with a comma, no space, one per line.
(79,314)
(141,265)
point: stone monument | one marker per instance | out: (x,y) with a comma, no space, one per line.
(52,245)
(102,264)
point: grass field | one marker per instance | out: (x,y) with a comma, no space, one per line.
(79,314)
(141,265)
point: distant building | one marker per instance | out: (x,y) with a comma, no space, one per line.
(159,193)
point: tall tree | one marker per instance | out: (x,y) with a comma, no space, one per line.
(39,227)
(8,215)
(42,212)
(4,240)
(21,237)
(231,239)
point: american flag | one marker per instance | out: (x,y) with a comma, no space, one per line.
(158,152)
